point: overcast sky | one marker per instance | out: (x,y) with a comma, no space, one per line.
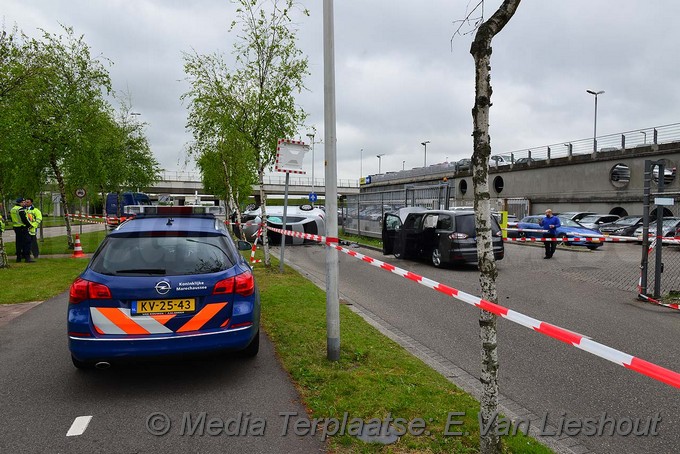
(400,79)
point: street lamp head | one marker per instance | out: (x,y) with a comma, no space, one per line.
(423,143)
(311,136)
(135,113)
(595,92)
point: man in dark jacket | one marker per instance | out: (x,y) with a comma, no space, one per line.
(550,224)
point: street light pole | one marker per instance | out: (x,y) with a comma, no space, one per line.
(595,93)
(379,156)
(361,164)
(403,164)
(425,145)
(311,138)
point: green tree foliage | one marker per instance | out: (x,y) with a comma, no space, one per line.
(57,125)
(258,95)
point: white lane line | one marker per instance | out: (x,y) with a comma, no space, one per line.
(79,425)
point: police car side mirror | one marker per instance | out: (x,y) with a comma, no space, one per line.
(244,245)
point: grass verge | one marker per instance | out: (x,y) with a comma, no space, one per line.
(365,240)
(59,245)
(374,378)
(47,277)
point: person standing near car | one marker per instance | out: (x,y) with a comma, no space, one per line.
(550,223)
(35,218)
(20,224)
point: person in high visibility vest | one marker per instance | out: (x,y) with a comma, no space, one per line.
(20,224)
(35,217)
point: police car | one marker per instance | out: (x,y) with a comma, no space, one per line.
(169,281)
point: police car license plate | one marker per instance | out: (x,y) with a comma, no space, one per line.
(169,306)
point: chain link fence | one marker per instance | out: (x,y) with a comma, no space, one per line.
(363,213)
(664,280)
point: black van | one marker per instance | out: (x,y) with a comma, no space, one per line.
(443,236)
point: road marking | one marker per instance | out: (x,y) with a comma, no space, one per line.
(79,425)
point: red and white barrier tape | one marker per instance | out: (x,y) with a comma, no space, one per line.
(88,218)
(569,337)
(649,299)
(260,224)
(587,239)
(252,251)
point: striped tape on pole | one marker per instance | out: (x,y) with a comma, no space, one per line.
(569,337)
(252,251)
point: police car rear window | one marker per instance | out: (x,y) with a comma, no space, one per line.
(163,255)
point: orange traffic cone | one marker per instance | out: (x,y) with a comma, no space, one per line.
(78,249)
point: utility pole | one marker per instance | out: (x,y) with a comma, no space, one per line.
(332,292)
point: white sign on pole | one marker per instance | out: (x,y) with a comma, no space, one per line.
(664,201)
(289,156)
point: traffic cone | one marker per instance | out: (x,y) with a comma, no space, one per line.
(78,249)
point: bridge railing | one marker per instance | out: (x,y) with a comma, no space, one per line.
(178,175)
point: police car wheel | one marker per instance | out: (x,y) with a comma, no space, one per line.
(252,349)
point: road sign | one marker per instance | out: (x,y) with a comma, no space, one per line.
(662,201)
(80,193)
(313,197)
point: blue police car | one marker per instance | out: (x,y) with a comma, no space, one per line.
(170,281)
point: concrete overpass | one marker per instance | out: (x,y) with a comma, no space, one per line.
(184,184)
(565,177)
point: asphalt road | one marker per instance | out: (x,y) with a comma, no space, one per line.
(42,395)
(583,292)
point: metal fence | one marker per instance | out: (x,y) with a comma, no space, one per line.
(667,280)
(363,213)
(603,144)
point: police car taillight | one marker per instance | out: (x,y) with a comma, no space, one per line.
(82,289)
(243,284)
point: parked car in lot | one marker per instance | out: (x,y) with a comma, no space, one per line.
(568,229)
(525,161)
(464,164)
(498,160)
(302,219)
(624,226)
(668,228)
(168,283)
(512,223)
(594,221)
(574,215)
(443,236)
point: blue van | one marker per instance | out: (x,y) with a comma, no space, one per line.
(114,211)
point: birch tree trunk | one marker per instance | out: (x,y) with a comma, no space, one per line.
(481,51)
(263,217)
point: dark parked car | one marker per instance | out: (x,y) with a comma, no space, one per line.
(668,228)
(593,221)
(525,161)
(624,226)
(569,229)
(441,235)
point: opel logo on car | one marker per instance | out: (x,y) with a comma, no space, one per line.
(163,287)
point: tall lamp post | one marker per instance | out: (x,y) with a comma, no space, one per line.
(425,145)
(311,139)
(361,164)
(379,156)
(595,93)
